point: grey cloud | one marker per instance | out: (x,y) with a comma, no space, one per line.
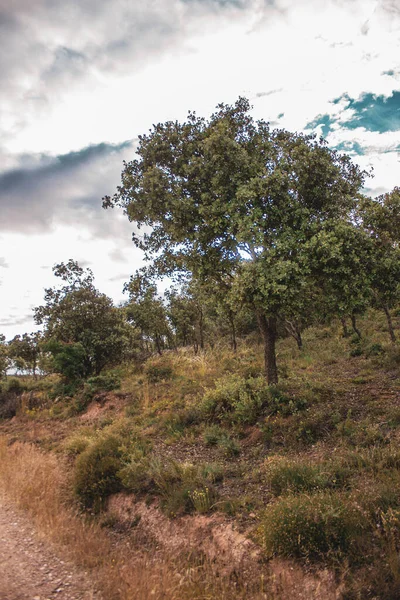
(13,320)
(269,93)
(3,263)
(66,189)
(117,255)
(120,277)
(51,48)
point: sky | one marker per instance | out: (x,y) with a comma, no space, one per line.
(80,80)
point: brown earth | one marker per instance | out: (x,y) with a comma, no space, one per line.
(31,569)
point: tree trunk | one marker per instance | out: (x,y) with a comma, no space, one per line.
(344,326)
(293,329)
(267,327)
(201,329)
(354,325)
(233,331)
(390,323)
(158,345)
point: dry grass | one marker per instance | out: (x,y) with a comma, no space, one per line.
(39,483)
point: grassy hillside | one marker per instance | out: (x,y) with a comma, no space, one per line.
(308,470)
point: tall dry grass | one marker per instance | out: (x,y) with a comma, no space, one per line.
(39,483)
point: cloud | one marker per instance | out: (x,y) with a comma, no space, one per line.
(367,124)
(46,191)
(3,263)
(120,277)
(55,51)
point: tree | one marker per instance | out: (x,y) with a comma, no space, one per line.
(4,358)
(146,310)
(83,320)
(229,197)
(381,220)
(25,351)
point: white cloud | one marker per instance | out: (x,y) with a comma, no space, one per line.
(76,74)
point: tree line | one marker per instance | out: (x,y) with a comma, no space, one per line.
(259,230)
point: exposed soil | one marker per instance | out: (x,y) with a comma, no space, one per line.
(228,550)
(31,569)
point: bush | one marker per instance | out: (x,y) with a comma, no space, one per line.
(294,475)
(229,447)
(374,350)
(321,526)
(96,471)
(14,385)
(78,442)
(158,372)
(212,435)
(182,487)
(8,405)
(238,400)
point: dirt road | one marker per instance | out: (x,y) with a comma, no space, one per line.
(30,569)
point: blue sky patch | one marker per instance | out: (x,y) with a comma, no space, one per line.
(373,113)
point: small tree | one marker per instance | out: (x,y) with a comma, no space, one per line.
(84,321)
(146,310)
(4,356)
(25,351)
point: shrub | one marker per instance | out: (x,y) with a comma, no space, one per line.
(212,435)
(295,475)
(158,372)
(14,385)
(136,474)
(106,382)
(96,471)
(321,526)
(229,446)
(374,350)
(8,405)
(78,442)
(183,487)
(238,400)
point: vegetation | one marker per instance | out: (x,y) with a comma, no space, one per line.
(281,269)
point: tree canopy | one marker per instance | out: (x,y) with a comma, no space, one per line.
(77,314)
(231,197)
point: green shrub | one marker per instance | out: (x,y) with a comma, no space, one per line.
(158,372)
(374,350)
(136,473)
(96,471)
(178,421)
(294,475)
(14,385)
(229,446)
(8,405)
(238,400)
(78,442)
(212,435)
(321,526)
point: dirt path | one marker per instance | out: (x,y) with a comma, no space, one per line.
(30,569)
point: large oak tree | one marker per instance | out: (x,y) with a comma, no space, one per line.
(230,197)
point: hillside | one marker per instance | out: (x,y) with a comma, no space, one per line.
(194,467)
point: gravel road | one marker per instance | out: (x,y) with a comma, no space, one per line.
(31,569)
